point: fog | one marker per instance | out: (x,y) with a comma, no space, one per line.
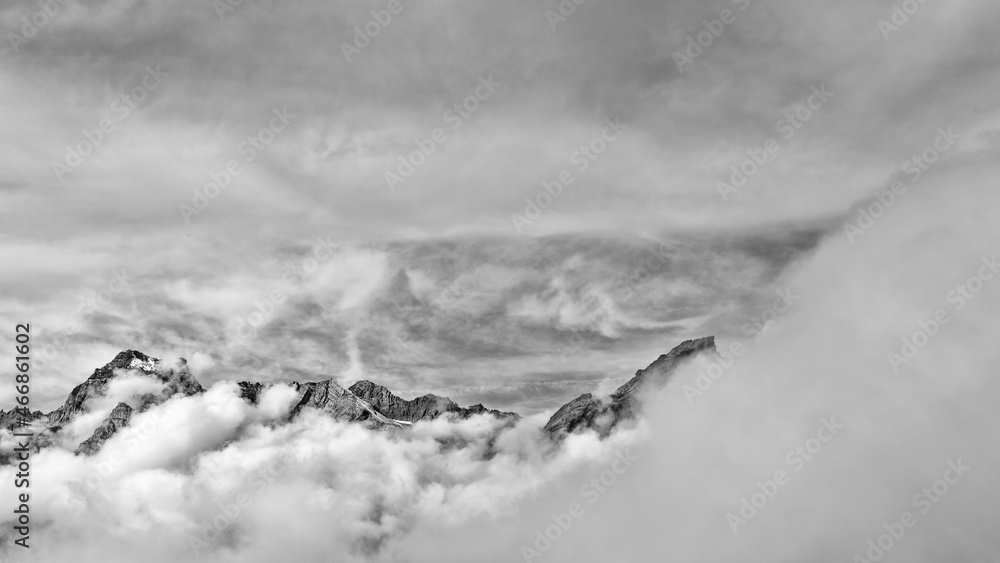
(316,489)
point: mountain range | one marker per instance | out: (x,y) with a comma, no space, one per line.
(364,402)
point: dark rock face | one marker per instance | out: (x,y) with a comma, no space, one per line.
(78,400)
(373,404)
(176,379)
(581,412)
(326,396)
(368,402)
(480,409)
(251,392)
(427,407)
(128,359)
(365,402)
(338,402)
(118,419)
(18,417)
(658,372)
(588,412)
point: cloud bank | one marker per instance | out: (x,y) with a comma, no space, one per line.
(453,491)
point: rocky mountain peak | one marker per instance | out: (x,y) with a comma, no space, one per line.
(602,415)
(365,401)
(657,372)
(426,407)
(329,397)
(18,417)
(119,418)
(176,379)
(127,360)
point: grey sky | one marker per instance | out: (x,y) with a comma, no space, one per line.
(198,84)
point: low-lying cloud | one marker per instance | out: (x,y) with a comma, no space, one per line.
(217,470)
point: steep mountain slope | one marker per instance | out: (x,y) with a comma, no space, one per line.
(422,408)
(602,415)
(118,419)
(364,402)
(18,417)
(341,404)
(176,380)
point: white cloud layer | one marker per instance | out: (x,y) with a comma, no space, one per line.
(452,491)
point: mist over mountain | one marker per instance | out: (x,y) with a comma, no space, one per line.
(367,403)
(555,282)
(553,317)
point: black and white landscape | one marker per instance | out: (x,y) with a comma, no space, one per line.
(563,281)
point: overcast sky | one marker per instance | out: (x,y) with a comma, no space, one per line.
(316,261)
(199,81)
